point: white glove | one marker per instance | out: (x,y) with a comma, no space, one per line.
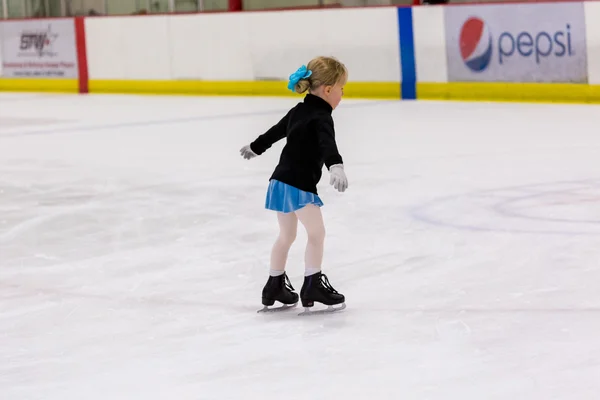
(338,177)
(247,152)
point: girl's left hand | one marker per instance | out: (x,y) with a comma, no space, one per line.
(338,177)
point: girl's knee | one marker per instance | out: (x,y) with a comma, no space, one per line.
(288,225)
(287,237)
(317,235)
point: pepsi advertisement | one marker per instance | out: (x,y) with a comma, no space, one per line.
(516,43)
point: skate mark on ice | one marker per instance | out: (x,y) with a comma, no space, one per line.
(503,208)
(456,329)
(34,222)
(395,261)
(424,212)
(6,99)
(171,121)
(128,301)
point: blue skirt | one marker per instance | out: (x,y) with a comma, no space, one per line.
(285,198)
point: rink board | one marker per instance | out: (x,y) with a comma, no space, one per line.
(390,52)
(39,85)
(519,92)
(382,90)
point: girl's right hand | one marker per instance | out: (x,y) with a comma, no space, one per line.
(247,152)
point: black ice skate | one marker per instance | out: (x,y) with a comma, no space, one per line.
(317,288)
(278,288)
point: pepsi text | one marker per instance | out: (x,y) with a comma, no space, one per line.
(542,45)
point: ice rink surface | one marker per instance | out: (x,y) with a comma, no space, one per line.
(134,245)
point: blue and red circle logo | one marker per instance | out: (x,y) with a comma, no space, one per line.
(476,44)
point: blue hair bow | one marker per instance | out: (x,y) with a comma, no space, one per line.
(301,73)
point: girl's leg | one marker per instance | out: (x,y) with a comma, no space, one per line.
(288,226)
(312,219)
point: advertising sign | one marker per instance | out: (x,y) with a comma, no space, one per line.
(39,49)
(516,43)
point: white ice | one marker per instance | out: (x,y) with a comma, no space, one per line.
(134,245)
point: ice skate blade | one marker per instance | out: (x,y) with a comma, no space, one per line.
(284,307)
(328,310)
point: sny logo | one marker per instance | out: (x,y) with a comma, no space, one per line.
(39,41)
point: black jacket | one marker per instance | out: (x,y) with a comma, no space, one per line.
(310,144)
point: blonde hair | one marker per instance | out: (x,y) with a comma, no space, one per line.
(325,71)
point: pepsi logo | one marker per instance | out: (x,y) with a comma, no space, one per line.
(476,44)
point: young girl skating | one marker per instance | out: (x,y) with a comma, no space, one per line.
(292,192)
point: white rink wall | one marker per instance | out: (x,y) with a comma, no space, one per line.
(243,46)
(129,47)
(269,45)
(430,50)
(592,16)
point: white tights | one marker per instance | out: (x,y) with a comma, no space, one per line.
(310,216)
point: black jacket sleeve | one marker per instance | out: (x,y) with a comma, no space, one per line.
(270,137)
(327,145)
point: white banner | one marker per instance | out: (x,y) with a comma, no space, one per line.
(535,42)
(39,48)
